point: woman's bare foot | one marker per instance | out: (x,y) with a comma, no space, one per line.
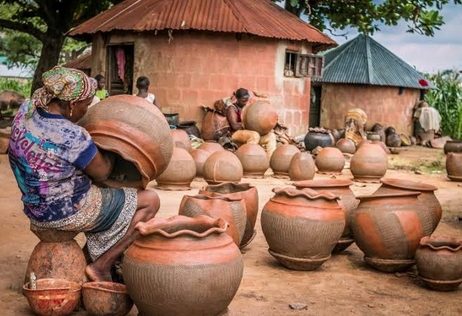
(94,274)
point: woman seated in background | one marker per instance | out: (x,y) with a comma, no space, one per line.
(55,162)
(142,84)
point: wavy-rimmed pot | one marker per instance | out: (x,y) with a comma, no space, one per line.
(183,266)
(106,298)
(439,262)
(387,228)
(302,227)
(369,163)
(347,199)
(431,213)
(249,194)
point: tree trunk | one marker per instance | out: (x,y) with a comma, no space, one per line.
(49,57)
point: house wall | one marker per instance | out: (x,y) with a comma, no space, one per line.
(190,69)
(382,105)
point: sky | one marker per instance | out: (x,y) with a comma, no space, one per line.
(427,54)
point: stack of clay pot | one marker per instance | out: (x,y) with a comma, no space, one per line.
(453,151)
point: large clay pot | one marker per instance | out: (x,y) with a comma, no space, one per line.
(200,156)
(233,210)
(346,146)
(259,116)
(211,147)
(222,166)
(431,213)
(387,228)
(317,137)
(341,188)
(183,266)
(56,256)
(180,172)
(135,130)
(369,163)
(281,159)
(253,159)
(439,262)
(330,160)
(454,166)
(248,194)
(181,139)
(189,127)
(302,226)
(302,167)
(453,146)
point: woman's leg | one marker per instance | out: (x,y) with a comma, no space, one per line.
(148,205)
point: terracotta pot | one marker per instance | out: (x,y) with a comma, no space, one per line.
(56,256)
(369,163)
(56,297)
(200,157)
(302,167)
(248,194)
(181,139)
(233,210)
(189,127)
(302,226)
(387,228)
(314,139)
(183,266)
(146,142)
(454,166)
(214,126)
(341,188)
(346,146)
(222,166)
(180,172)
(106,298)
(330,160)
(431,213)
(211,147)
(259,116)
(281,159)
(453,146)
(253,159)
(439,262)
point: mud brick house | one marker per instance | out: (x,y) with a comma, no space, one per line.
(197,51)
(362,73)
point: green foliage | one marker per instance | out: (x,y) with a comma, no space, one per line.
(447,99)
(20,86)
(423,15)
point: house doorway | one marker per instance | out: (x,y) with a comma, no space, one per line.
(120,60)
(315,106)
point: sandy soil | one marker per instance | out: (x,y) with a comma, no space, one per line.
(344,285)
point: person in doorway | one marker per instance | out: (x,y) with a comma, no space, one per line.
(142,84)
(55,163)
(239,134)
(101,91)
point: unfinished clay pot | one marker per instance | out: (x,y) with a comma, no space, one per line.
(200,157)
(233,210)
(302,226)
(431,213)
(211,147)
(341,188)
(183,266)
(393,140)
(253,159)
(387,228)
(453,146)
(369,163)
(318,137)
(181,139)
(222,166)
(330,160)
(145,143)
(302,167)
(106,298)
(281,159)
(346,146)
(259,116)
(439,262)
(249,194)
(454,166)
(180,172)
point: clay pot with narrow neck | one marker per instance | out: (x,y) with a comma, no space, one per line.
(439,262)
(233,210)
(454,166)
(302,167)
(369,163)
(222,166)
(302,226)
(281,159)
(183,266)
(387,228)
(347,199)
(249,194)
(431,213)
(180,172)
(253,159)
(330,160)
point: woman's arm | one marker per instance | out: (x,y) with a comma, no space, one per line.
(232,117)
(100,167)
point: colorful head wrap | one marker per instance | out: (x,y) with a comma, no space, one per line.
(66,84)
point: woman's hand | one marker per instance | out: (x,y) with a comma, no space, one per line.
(101,166)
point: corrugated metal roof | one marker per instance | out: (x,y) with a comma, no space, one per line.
(257,17)
(81,62)
(364,61)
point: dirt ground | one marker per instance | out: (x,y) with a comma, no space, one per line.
(344,285)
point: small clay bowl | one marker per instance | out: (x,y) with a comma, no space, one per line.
(106,298)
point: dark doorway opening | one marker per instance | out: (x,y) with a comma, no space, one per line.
(315,106)
(120,69)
